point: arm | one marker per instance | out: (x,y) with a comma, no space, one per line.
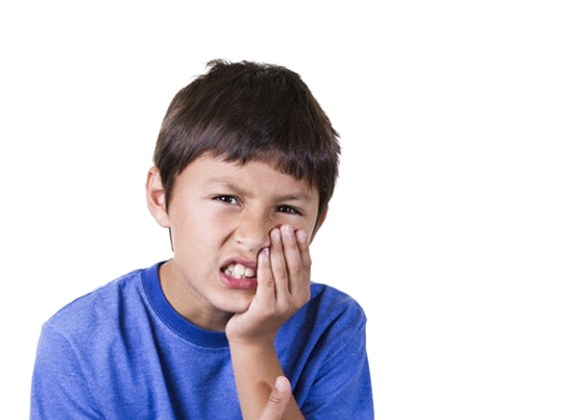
(283,288)
(256,370)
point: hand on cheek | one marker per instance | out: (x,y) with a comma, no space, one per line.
(283,286)
(290,267)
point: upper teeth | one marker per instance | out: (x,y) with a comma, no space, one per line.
(238,271)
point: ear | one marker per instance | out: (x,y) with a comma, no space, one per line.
(156,197)
(319,222)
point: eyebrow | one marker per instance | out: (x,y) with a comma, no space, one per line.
(292,196)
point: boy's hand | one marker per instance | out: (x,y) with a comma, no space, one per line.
(283,278)
(283,287)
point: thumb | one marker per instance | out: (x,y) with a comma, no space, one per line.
(278,400)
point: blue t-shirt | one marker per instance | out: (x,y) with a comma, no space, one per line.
(122,352)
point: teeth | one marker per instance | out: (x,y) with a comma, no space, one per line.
(238,271)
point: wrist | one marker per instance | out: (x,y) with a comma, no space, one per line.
(254,343)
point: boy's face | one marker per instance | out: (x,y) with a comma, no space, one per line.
(220,216)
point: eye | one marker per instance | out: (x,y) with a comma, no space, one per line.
(227,199)
(289,210)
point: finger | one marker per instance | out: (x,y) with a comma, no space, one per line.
(278,400)
(293,257)
(278,264)
(304,247)
(266,290)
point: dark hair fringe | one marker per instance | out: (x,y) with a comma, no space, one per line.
(248,111)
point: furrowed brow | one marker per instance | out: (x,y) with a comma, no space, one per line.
(222,183)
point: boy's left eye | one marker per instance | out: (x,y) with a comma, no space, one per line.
(288,209)
(228,199)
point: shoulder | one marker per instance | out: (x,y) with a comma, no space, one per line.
(334,303)
(99,308)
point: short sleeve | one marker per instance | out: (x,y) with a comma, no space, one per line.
(59,388)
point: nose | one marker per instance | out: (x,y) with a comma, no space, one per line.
(253,232)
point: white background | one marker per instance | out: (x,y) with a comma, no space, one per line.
(455,221)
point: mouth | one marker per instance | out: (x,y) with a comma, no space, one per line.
(239,271)
(238,274)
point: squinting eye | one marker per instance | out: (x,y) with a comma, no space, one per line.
(288,209)
(228,199)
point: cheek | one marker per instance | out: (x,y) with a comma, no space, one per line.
(202,226)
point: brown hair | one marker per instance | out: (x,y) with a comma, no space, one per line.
(248,111)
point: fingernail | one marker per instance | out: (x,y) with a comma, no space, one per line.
(287,231)
(280,383)
(265,252)
(276,235)
(301,235)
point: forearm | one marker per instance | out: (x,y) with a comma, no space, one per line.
(256,367)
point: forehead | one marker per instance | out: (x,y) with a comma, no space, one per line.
(253,177)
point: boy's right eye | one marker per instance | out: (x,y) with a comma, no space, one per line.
(228,199)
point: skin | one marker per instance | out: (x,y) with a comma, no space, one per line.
(223,212)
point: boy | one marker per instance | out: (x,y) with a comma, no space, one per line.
(245,165)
